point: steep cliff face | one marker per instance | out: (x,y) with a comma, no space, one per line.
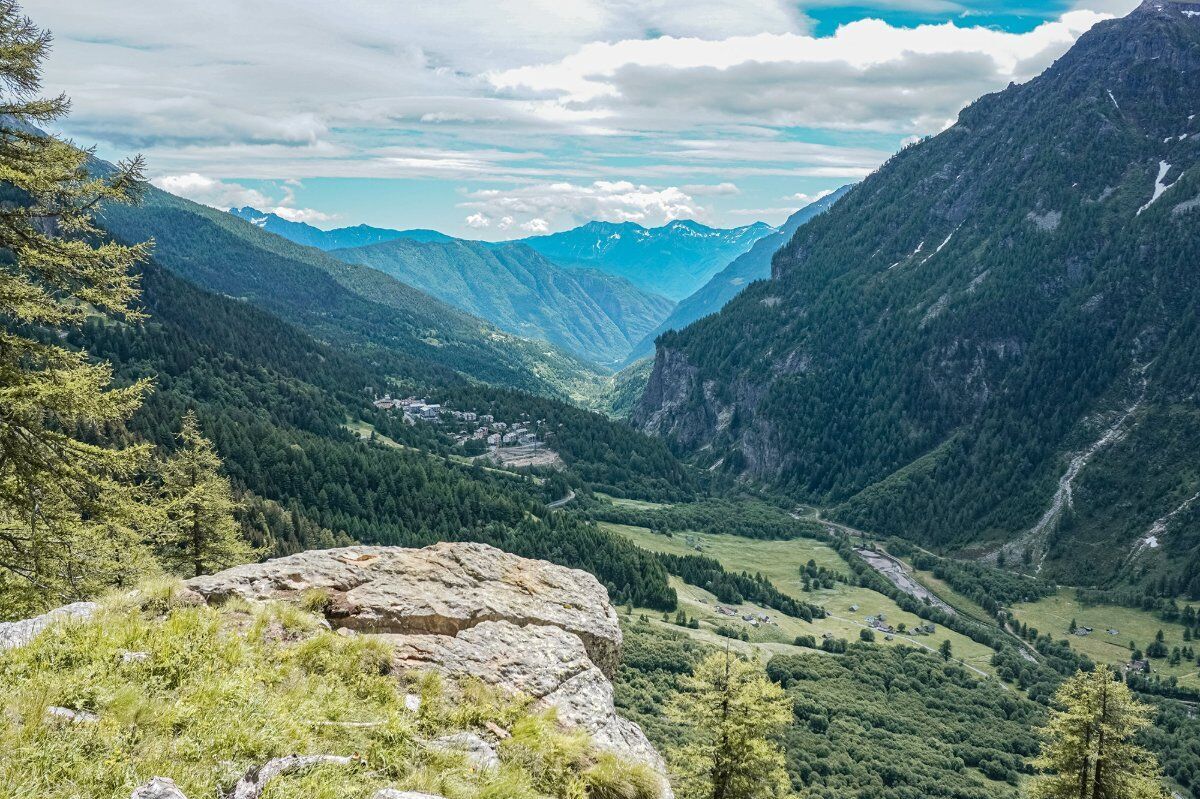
(933,353)
(468,612)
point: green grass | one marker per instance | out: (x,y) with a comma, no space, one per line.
(780,562)
(636,504)
(222,690)
(1052,615)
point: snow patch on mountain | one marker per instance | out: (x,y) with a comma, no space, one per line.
(1159,185)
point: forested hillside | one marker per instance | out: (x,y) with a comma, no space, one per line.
(754,264)
(595,315)
(276,402)
(338,302)
(990,345)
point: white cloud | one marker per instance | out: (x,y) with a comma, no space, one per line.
(808,199)
(211,191)
(227,194)
(702,189)
(549,205)
(868,75)
(675,100)
(309,216)
(536,226)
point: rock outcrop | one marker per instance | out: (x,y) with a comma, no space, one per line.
(468,610)
(442,590)
(19,633)
(546,663)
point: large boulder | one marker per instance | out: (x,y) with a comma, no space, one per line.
(468,610)
(442,589)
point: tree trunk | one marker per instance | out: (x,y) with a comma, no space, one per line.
(1097,791)
(197,533)
(720,775)
(1087,762)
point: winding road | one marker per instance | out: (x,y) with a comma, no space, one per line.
(558,503)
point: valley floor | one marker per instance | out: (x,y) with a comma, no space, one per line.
(1053,615)
(780,562)
(850,606)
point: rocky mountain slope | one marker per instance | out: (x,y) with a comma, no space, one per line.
(754,264)
(590,313)
(468,612)
(309,236)
(673,260)
(990,345)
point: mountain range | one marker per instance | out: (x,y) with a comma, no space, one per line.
(344,304)
(754,264)
(673,260)
(598,291)
(992,344)
(310,236)
(593,314)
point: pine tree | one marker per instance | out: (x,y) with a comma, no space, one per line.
(1088,751)
(200,533)
(733,712)
(66,506)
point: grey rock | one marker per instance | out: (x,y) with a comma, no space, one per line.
(546,663)
(158,788)
(255,781)
(478,752)
(442,589)
(392,793)
(19,633)
(72,716)
(1047,222)
(468,611)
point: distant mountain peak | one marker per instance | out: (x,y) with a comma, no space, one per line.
(673,259)
(338,238)
(1188,8)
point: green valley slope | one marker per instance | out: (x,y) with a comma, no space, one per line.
(341,303)
(595,315)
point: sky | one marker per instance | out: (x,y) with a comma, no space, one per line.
(497,119)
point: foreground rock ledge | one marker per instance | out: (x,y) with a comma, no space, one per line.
(473,610)
(439,590)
